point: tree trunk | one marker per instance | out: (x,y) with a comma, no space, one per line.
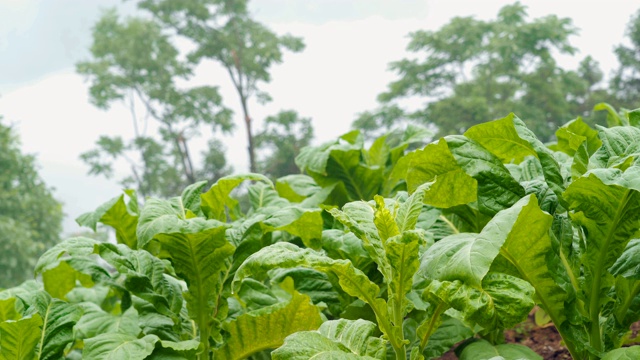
(251,146)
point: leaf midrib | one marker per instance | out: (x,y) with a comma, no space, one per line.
(44,328)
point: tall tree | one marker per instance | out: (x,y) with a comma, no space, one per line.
(134,61)
(626,81)
(282,138)
(30,217)
(223,31)
(471,71)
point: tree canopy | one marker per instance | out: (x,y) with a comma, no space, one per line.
(134,61)
(30,217)
(470,71)
(224,32)
(281,140)
(626,80)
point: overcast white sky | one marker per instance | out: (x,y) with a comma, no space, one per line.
(343,68)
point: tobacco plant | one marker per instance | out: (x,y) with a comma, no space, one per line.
(410,326)
(579,249)
(162,290)
(377,253)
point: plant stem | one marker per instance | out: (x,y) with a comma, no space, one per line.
(432,325)
(401,353)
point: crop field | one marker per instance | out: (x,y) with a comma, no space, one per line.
(390,251)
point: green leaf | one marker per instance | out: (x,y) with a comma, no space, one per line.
(119,215)
(502,139)
(285,255)
(171,350)
(618,143)
(628,264)
(312,158)
(58,319)
(191,196)
(296,188)
(267,328)
(409,211)
(312,345)
(359,336)
(497,190)
(628,353)
(8,310)
(112,346)
(606,204)
(358,217)
(500,303)
(453,186)
(378,152)
(59,280)
(449,333)
(199,253)
(345,245)
(297,221)
(528,249)
(161,216)
(384,221)
(510,140)
(613,119)
(483,350)
(146,277)
(467,257)
(336,339)
(96,321)
(264,195)
(573,134)
(361,181)
(342,162)
(462,171)
(217,199)
(18,338)
(403,255)
(75,247)
(314,284)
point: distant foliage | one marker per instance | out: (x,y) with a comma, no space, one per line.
(626,82)
(281,140)
(136,63)
(469,70)
(30,217)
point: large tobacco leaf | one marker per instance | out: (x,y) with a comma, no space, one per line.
(122,216)
(18,338)
(199,253)
(217,203)
(335,339)
(267,327)
(284,255)
(462,171)
(483,350)
(512,142)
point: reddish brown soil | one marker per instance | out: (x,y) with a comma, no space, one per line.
(543,340)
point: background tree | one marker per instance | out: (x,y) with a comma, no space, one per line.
(135,62)
(30,217)
(626,80)
(223,31)
(471,71)
(282,138)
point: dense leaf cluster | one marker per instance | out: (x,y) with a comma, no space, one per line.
(379,252)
